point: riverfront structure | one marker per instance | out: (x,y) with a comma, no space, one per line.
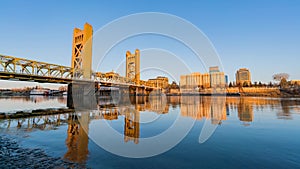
(206,80)
(159,81)
(196,80)
(217,78)
(243,76)
(295,82)
(80,78)
(191,81)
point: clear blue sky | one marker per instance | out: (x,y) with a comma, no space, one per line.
(262,35)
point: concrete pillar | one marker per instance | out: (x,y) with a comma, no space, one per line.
(82,96)
(70,104)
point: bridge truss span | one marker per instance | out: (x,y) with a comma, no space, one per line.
(24,69)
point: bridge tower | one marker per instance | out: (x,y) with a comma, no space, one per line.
(82,52)
(133,66)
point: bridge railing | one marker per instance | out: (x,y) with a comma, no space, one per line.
(22,66)
(101,77)
(13,67)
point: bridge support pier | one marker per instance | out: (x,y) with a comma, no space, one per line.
(81,95)
(140,91)
(85,95)
(69,97)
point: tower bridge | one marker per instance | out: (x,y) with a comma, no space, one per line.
(80,72)
(14,68)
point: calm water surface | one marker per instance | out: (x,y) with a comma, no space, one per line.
(250,133)
(22,103)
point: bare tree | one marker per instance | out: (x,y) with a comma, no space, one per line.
(279,76)
(283,83)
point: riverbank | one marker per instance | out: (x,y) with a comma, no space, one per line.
(12,155)
(241,91)
(229,91)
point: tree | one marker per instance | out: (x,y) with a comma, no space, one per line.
(173,85)
(279,76)
(255,84)
(259,84)
(270,84)
(296,85)
(283,83)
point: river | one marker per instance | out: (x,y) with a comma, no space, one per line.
(206,132)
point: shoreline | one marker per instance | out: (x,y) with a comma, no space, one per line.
(13,155)
(185,94)
(54,111)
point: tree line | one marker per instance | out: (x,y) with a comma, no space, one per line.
(280,78)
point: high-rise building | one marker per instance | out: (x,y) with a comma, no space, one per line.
(214,69)
(226,79)
(194,81)
(217,78)
(191,81)
(206,80)
(243,76)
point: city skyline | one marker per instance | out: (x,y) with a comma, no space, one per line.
(248,36)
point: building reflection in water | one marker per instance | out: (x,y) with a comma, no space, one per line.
(174,101)
(157,104)
(245,107)
(245,111)
(285,113)
(204,107)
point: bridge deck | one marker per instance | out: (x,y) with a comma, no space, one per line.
(19,69)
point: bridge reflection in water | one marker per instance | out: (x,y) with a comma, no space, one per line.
(198,108)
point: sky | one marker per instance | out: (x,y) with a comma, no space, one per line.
(261,35)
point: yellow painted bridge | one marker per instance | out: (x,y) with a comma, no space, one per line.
(20,69)
(12,68)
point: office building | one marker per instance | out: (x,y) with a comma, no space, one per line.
(243,77)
